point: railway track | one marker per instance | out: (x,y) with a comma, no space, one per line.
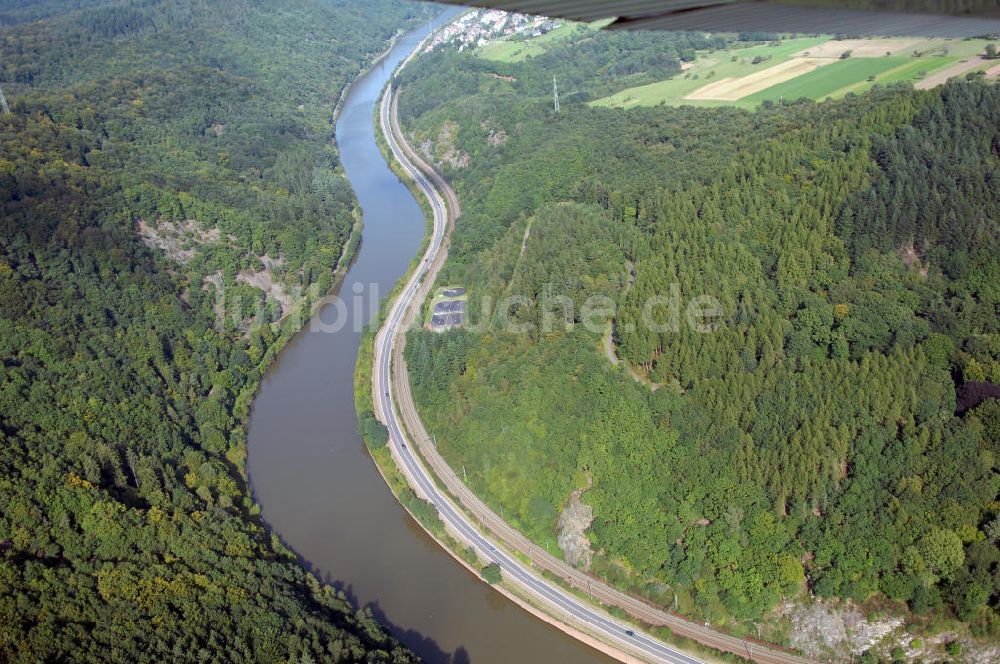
(475,510)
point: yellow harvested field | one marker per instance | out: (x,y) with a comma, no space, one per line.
(733,89)
(859,48)
(941,77)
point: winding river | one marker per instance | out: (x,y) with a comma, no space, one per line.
(309,470)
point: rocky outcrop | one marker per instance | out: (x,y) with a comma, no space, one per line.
(573,524)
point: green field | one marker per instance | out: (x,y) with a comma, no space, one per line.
(826,81)
(510,50)
(852,75)
(907,69)
(915,69)
(709,67)
(777,52)
(831,81)
(515,50)
(671,92)
(954,48)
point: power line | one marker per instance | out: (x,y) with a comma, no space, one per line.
(3,103)
(555,94)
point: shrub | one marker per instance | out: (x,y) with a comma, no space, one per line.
(491,574)
(372,431)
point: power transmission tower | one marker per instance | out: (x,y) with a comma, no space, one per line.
(3,103)
(555,94)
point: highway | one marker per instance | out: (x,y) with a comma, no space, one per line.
(512,568)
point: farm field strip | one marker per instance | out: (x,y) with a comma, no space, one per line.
(859,48)
(909,69)
(914,67)
(828,81)
(712,66)
(788,48)
(730,78)
(957,69)
(734,89)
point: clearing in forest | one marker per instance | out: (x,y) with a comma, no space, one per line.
(447,309)
(516,49)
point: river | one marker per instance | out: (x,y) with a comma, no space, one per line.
(310,472)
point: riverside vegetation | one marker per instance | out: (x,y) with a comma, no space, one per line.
(815,440)
(167,181)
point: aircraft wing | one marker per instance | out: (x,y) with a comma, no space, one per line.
(942,18)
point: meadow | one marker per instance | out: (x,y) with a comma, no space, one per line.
(518,49)
(826,81)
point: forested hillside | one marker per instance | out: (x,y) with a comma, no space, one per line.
(168,187)
(805,439)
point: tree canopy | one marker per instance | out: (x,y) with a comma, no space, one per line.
(127,532)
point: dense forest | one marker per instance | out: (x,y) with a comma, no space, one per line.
(804,437)
(164,161)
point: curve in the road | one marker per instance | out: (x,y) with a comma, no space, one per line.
(551,594)
(459,521)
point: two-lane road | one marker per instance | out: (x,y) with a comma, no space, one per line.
(565,603)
